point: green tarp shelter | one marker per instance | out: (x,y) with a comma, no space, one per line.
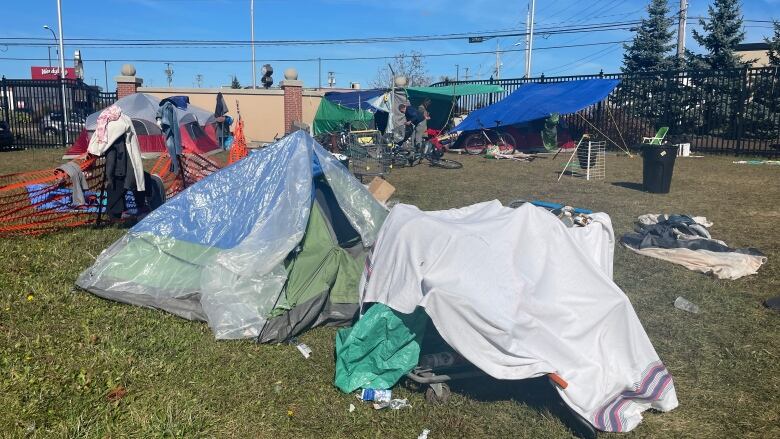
(443,98)
(331,117)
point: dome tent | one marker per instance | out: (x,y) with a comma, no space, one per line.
(198,133)
(267,247)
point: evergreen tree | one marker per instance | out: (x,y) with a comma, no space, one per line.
(234,83)
(722,31)
(653,41)
(774,45)
(645,60)
(764,104)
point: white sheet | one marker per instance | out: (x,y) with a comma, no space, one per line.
(519,295)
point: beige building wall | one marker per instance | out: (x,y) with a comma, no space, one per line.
(262,110)
(761,57)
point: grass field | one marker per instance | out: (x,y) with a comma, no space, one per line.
(62,351)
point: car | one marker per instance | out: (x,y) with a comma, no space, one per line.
(51,124)
(6,136)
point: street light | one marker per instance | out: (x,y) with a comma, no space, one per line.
(46,26)
(62,70)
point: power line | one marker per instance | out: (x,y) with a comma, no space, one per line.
(590,57)
(111,42)
(355,58)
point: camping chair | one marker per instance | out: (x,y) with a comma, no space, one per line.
(659,137)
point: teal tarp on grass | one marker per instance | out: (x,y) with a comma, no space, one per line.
(382,347)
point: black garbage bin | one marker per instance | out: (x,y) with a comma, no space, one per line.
(657,167)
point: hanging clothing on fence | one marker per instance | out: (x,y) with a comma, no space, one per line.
(78,183)
(110,114)
(121,130)
(121,177)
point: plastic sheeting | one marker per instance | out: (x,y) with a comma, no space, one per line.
(355,99)
(383,346)
(536,101)
(215,252)
(332,117)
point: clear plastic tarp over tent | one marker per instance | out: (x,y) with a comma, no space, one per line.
(216,252)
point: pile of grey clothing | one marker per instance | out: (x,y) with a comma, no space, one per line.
(686,240)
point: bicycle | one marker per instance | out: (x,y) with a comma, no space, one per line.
(477,143)
(415,155)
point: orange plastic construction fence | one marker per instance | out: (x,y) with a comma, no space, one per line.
(239,149)
(37,202)
(194,167)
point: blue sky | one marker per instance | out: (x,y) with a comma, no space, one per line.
(316,19)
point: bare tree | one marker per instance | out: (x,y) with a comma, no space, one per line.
(410,65)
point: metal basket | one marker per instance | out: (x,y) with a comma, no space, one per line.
(367,155)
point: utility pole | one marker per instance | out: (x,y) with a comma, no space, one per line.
(105,71)
(319,73)
(681,29)
(252,17)
(498,60)
(199,80)
(466,75)
(457,72)
(529,38)
(331,79)
(169,73)
(527,41)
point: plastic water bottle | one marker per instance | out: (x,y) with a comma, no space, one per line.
(376,395)
(681,303)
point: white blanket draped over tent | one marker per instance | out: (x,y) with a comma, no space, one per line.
(519,295)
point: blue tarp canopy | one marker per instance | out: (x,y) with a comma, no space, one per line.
(356,100)
(537,101)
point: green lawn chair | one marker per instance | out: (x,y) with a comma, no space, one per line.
(659,137)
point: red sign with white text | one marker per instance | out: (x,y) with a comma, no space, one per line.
(51,73)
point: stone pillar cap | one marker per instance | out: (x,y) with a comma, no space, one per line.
(291,83)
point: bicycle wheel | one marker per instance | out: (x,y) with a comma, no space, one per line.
(475,144)
(446,164)
(505,143)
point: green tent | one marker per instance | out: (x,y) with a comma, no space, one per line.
(331,117)
(445,97)
(265,248)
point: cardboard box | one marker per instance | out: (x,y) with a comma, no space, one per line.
(381,189)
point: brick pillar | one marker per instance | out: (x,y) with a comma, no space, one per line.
(127,83)
(293,99)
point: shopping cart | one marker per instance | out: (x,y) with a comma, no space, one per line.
(440,365)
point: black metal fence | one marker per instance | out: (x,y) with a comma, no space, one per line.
(733,111)
(33,110)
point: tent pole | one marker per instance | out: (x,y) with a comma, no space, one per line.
(566,166)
